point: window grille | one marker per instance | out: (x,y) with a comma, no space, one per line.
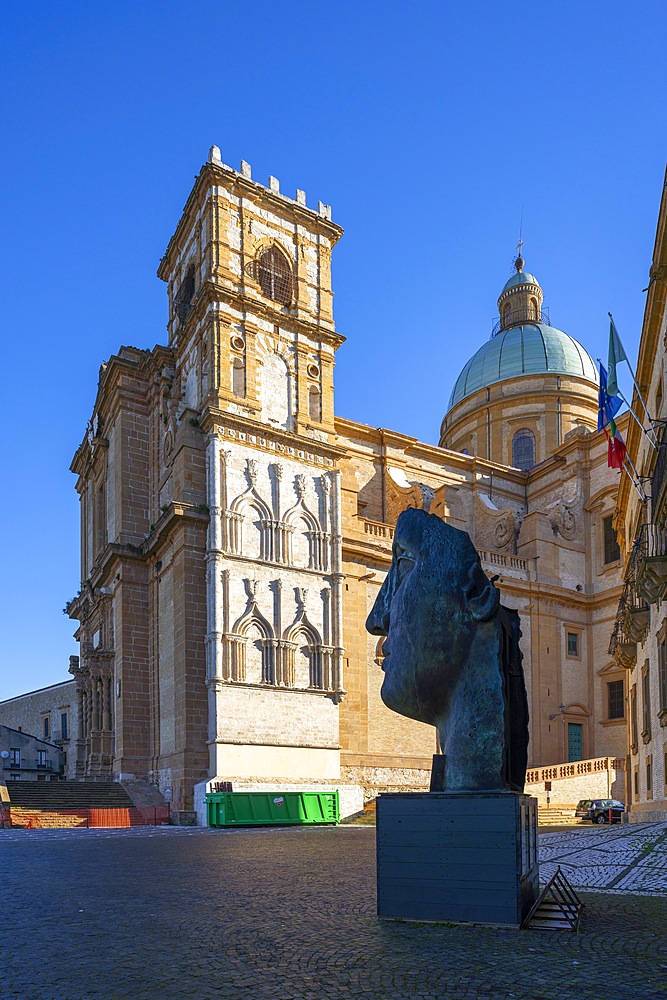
(274,275)
(523,449)
(185,294)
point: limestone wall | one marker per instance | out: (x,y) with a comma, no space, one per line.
(28,711)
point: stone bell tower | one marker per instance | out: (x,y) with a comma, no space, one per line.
(253,340)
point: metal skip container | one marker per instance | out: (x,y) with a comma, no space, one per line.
(271,808)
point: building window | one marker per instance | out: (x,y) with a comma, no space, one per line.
(573,644)
(275,276)
(315,405)
(615,700)
(63,726)
(41,758)
(634,725)
(646,705)
(14,777)
(649,777)
(662,675)
(612,552)
(523,449)
(46,726)
(238,377)
(636,783)
(14,757)
(185,294)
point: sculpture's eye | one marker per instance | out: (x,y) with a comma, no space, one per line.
(404,561)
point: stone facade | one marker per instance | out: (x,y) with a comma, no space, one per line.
(639,642)
(235,533)
(49,714)
(27,758)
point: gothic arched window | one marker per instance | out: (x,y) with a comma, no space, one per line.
(275,276)
(523,449)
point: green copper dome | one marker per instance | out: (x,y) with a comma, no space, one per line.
(526,349)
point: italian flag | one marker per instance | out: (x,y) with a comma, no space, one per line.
(615,446)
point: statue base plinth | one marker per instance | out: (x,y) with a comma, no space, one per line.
(463,857)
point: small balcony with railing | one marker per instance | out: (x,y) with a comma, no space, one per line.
(519,315)
(649,558)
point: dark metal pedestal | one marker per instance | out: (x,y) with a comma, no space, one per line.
(465,857)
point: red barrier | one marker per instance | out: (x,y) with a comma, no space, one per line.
(33,819)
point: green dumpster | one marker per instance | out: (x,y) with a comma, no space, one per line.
(271,808)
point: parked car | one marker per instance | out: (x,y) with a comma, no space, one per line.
(600,810)
(583,807)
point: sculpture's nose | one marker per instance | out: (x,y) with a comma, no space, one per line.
(377,622)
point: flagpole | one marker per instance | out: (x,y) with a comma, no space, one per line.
(641,492)
(641,398)
(638,421)
(650,440)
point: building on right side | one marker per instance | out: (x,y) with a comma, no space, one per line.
(639,640)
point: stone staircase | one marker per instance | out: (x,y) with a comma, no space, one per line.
(558,815)
(65,804)
(51,795)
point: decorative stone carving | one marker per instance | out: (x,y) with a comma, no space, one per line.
(252,469)
(495,528)
(300,486)
(563,521)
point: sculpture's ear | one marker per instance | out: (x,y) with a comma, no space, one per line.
(481,596)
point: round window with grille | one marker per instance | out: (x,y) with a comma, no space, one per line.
(274,275)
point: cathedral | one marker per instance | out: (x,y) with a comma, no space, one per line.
(235,530)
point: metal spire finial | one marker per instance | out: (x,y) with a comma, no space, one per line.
(519,262)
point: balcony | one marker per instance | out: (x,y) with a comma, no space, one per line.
(518,317)
(621,646)
(651,563)
(637,617)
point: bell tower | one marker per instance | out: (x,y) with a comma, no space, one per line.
(252,337)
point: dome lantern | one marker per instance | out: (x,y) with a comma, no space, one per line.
(520,300)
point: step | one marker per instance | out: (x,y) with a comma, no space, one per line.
(65,794)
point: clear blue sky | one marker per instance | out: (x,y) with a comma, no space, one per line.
(427,126)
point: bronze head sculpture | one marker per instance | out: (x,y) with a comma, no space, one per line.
(451,656)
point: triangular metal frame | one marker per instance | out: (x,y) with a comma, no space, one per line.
(557,907)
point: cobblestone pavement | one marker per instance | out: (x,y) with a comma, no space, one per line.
(290,914)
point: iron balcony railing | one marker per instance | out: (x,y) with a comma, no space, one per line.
(520,316)
(651,563)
